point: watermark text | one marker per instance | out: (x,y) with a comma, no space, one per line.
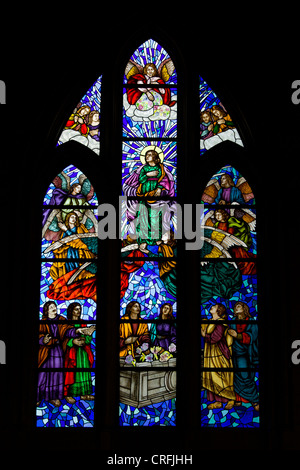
(2,352)
(143,221)
(296,93)
(2,92)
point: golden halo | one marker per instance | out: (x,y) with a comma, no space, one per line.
(151,147)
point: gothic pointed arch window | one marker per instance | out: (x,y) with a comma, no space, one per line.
(229,313)
(150,310)
(66,361)
(148,300)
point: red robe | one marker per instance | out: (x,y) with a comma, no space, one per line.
(128,268)
(245,267)
(133,94)
(70,363)
(81,289)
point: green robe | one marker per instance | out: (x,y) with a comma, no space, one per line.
(220,279)
(83,383)
(149,184)
(241,230)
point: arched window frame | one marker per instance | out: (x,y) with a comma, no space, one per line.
(205,163)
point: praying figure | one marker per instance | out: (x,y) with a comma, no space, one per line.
(217,380)
(132,333)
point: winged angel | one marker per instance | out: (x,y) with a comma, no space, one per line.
(70,233)
(146,99)
(230,234)
(227,235)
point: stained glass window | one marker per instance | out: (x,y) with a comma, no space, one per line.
(229,310)
(83,125)
(68,303)
(216,124)
(149,311)
(148,298)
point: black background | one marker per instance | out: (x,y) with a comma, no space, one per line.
(250,60)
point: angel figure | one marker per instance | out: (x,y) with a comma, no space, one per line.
(222,189)
(230,236)
(72,231)
(66,194)
(79,120)
(72,278)
(146,97)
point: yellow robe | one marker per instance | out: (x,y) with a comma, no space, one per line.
(126,332)
(58,268)
(219,381)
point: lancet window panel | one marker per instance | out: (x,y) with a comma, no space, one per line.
(148,283)
(229,304)
(149,313)
(66,362)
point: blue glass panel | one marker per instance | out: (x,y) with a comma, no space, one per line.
(150,283)
(241,416)
(158,414)
(79,414)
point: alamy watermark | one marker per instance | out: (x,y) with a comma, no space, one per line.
(295,357)
(2,352)
(296,93)
(149,221)
(2,92)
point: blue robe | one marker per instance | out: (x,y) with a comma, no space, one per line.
(246,356)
